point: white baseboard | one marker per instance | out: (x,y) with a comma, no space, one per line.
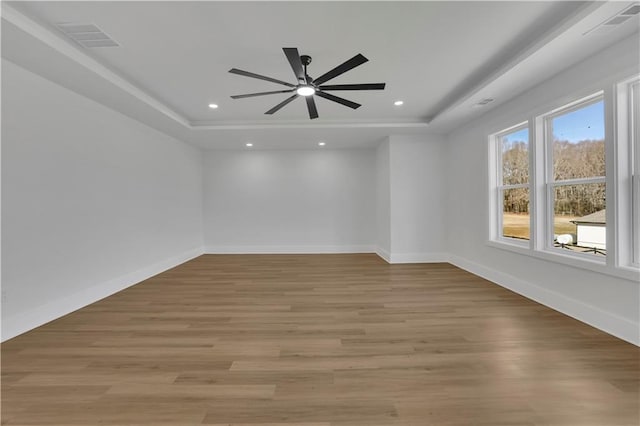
(288,249)
(383,254)
(606,321)
(394,258)
(43,314)
(419,257)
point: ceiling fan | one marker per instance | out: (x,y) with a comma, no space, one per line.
(307,86)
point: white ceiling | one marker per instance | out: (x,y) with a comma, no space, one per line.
(174,57)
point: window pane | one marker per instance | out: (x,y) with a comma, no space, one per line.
(634,115)
(579,222)
(515,216)
(515,157)
(578,143)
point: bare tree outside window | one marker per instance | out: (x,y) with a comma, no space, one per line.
(514,188)
(578,178)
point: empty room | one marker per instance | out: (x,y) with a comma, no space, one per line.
(326,213)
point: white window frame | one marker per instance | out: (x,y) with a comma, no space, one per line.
(499,187)
(634,133)
(628,172)
(622,151)
(550,184)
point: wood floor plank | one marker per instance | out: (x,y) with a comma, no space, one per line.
(318,340)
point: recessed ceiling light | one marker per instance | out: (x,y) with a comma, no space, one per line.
(249,144)
(321,143)
(213,106)
(398,103)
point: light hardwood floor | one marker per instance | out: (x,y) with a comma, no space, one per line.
(318,340)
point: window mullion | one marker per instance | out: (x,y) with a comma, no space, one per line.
(611,180)
(539,189)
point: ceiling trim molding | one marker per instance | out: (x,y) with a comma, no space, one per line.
(63,47)
(67,49)
(552,34)
(269,126)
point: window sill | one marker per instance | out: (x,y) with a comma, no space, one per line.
(595,265)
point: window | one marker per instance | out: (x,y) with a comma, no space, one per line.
(565,184)
(576,178)
(513,179)
(628,135)
(627,176)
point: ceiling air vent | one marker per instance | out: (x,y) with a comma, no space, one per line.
(87,35)
(633,10)
(616,19)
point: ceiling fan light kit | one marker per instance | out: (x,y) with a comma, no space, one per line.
(306,86)
(305,90)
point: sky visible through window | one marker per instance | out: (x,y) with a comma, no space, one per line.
(584,124)
(521,135)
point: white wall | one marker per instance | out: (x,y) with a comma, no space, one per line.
(418,198)
(605,301)
(383,201)
(92,201)
(290,201)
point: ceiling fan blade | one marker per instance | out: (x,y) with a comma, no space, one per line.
(367,86)
(296,64)
(281,104)
(250,95)
(311,106)
(258,76)
(341,69)
(338,99)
